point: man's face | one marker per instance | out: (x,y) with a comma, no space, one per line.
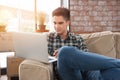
(60,24)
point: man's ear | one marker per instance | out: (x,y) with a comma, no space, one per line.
(68,22)
(68,25)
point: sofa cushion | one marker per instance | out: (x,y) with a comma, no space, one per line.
(101,43)
(6,42)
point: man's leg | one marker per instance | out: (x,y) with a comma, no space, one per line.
(66,73)
(72,59)
(111,74)
(92,75)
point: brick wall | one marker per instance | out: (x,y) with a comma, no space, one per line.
(94,15)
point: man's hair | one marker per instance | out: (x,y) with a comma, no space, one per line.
(60,11)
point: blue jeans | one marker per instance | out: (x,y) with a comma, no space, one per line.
(74,64)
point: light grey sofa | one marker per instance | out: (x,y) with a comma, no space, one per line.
(106,43)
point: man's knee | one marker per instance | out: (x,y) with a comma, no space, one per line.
(65,51)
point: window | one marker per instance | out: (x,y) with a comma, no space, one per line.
(19,15)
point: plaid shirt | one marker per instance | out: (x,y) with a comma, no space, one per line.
(55,42)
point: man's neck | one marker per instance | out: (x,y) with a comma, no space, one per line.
(63,36)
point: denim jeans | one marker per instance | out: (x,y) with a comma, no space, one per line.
(74,64)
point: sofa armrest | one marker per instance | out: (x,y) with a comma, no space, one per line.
(35,70)
(117,39)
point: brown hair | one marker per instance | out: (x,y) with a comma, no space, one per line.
(60,11)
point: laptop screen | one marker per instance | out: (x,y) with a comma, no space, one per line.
(31,45)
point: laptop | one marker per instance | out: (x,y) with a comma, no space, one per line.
(32,46)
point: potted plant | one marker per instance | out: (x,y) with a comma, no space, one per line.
(5,16)
(2,27)
(42,20)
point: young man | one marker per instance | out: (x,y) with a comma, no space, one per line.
(74,60)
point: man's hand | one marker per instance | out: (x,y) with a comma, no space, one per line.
(55,53)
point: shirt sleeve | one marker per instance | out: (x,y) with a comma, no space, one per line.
(50,44)
(81,44)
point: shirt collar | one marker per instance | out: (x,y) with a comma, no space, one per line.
(68,35)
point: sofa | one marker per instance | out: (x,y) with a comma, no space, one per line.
(105,43)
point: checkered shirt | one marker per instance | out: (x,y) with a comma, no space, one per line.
(55,42)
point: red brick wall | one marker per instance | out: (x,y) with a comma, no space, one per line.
(94,15)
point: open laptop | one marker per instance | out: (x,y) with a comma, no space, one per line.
(32,46)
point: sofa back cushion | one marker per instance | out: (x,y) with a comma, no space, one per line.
(6,42)
(101,43)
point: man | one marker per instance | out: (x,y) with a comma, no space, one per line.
(74,60)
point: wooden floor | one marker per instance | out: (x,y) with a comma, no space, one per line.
(3,77)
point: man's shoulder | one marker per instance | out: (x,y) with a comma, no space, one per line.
(51,34)
(75,35)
